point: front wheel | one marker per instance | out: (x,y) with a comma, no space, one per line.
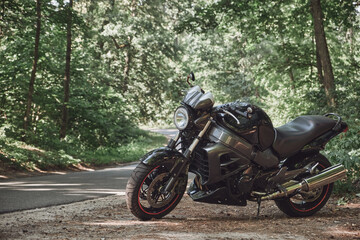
(306,204)
(144,196)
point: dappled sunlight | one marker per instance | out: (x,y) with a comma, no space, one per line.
(67,189)
(54,172)
(35,189)
(122,178)
(80,193)
(129,167)
(350,229)
(103,191)
(351,206)
(122,223)
(169,133)
(31,148)
(53,189)
(48,184)
(10,183)
(343,232)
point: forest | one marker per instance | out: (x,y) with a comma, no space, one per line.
(78,77)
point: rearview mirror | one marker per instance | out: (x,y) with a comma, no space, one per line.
(190,76)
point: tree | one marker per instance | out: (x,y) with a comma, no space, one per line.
(124,63)
(65,107)
(34,68)
(2,18)
(323,60)
(128,51)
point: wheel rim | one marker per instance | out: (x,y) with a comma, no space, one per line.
(304,197)
(155,197)
(150,199)
(308,201)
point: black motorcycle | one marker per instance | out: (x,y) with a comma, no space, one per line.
(237,156)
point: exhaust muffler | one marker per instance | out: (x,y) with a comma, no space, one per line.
(326,176)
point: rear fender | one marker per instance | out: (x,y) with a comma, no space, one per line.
(320,142)
(160,155)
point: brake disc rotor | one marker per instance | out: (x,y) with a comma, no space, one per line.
(310,196)
(155,198)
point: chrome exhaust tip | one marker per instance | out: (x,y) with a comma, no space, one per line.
(326,176)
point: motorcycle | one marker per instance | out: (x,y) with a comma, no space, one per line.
(237,156)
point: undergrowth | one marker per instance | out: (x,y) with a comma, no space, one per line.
(61,154)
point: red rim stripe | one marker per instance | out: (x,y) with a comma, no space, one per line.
(308,210)
(139,197)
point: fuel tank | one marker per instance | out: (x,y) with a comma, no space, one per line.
(255,125)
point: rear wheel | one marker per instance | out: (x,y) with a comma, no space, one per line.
(307,203)
(144,196)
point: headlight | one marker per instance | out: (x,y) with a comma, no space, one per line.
(181,118)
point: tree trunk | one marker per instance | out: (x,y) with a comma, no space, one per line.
(324,55)
(33,72)
(65,107)
(128,53)
(292,80)
(128,58)
(2,17)
(319,67)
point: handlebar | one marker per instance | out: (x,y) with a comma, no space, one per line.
(232,115)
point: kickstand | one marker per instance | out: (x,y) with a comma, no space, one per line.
(259,205)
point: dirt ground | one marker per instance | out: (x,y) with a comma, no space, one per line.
(108,218)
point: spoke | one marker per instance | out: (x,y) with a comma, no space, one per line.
(157,198)
(143,192)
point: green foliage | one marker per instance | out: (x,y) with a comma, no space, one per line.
(126,153)
(61,154)
(129,59)
(271,47)
(102,115)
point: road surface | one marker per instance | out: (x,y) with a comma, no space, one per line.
(50,190)
(107,217)
(169,133)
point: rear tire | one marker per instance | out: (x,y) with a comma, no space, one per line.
(143,191)
(307,204)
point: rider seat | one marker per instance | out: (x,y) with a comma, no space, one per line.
(294,135)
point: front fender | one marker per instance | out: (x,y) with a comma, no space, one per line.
(161,155)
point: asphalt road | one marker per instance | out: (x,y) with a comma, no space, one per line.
(169,133)
(50,190)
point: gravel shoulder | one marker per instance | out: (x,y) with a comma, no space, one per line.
(108,218)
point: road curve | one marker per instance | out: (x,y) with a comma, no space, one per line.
(51,190)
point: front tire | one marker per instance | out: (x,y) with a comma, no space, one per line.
(308,203)
(143,191)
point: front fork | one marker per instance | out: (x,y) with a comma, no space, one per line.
(180,165)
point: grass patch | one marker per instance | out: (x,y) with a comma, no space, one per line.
(21,156)
(127,153)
